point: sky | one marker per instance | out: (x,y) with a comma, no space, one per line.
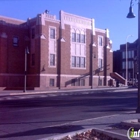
(108,14)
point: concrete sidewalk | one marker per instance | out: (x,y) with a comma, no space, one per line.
(28,92)
(111,125)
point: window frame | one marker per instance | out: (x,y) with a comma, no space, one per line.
(52,33)
(52,59)
(100,41)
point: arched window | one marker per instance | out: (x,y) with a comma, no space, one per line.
(78,36)
(73,35)
(82,37)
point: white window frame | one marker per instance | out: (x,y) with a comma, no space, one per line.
(54,33)
(52,60)
(100,42)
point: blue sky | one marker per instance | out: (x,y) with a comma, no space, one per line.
(109,14)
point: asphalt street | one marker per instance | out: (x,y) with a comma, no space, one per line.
(37,116)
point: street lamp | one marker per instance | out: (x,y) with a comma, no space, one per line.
(25,74)
(130,15)
(127,60)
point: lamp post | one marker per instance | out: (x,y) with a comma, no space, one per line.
(127,60)
(131,15)
(25,72)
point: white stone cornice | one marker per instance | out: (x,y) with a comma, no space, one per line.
(74,20)
(100,30)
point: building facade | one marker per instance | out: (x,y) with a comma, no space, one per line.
(65,53)
(129,56)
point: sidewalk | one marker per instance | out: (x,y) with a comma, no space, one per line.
(111,125)
(54,91)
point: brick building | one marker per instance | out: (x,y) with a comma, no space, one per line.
(131,56)
(65,53)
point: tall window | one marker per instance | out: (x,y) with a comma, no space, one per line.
(78,62)
(82,62)
(73,37)
(100,41)
(52,59)
(52,33)
(15,41)
(78,37)
(123,65)
(123,54)
(73,61)
(100,63)
(82,38)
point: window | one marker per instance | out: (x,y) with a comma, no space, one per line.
(100,41)
(51,82)
(82,82)
(82,38)
(73,37)
(123,54)
(123,65)
(78,61)
(33,33)
(82,62)
(78,37)
(33,59)
(52,33)
(73,61)
(100,63)
(130,64)
(52,59)
(15,41)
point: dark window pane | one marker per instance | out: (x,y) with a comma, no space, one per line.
(82,38)
(52,59)
(52,33)
(78,37)
(73,61)
(15,41)
(82,62)
(73,37)
(77,61)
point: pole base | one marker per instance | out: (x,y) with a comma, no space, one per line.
(138,110)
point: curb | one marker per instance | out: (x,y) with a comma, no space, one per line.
(131,123)
(67,91)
